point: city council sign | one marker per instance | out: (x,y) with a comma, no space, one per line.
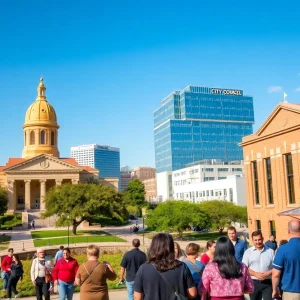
(226,92)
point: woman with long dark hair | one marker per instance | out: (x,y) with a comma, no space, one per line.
(16,275)
(225,277)
(163,277)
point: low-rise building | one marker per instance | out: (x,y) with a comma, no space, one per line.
(150,188)
(272,169)
(188,183)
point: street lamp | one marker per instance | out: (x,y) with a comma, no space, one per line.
(68,217)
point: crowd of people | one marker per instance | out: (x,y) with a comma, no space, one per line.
(227,270)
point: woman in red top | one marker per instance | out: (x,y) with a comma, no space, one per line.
(64,275)
(208,256)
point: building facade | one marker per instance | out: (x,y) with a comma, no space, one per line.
(272,170)
(143,173)
(201,123)
(28,179)
(104,158)
(125,179)
(151,189)
(204,180)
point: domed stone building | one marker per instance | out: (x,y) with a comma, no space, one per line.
(29,178)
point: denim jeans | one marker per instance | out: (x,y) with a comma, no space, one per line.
(65,289)
(5,276)
(130,291)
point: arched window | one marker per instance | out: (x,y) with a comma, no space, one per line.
(32,138)
(43,137)
(52,138)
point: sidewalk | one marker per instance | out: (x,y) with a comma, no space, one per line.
(113,295)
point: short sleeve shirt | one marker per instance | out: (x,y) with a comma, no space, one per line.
(149,282)
(287,260)
(131,261)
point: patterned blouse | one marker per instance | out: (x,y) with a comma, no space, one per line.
(217,286)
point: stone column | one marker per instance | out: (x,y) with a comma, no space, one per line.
(42,194)
(58,181)
(12,203)
(27,195)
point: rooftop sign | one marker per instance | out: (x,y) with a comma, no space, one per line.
(226,92)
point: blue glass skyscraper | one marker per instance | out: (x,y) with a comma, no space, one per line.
(201,123)
(104,158)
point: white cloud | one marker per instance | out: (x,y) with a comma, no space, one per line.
(297,89)
(274,89)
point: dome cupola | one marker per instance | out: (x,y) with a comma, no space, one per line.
(40,126)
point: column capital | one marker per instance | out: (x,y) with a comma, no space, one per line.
(27,180)
(58,181)
(43,180)
(11,181)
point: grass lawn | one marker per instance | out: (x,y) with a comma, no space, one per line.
(190,235)
(56,233)
(4,241)
(206,236)
(26,288)
(76,240)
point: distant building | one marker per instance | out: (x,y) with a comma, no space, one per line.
(143,173)
(272,169)
(148,177)
(125,179)
(104,158)
(151,190)
(204,180)
(201,123)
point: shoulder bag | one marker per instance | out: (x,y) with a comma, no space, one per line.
(175,290)
(89,274)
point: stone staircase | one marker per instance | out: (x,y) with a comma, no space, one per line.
(40,223)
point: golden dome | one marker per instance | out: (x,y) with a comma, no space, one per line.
(40,112)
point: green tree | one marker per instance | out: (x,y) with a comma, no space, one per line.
(75,203)
(177,216)
(223,213)
(135,193)
(3,201)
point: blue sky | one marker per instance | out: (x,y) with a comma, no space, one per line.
(108,64)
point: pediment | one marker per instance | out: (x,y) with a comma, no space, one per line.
(43,163)
(281,119)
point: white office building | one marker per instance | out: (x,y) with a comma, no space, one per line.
(205,180)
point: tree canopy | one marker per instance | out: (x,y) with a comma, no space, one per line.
(135,193)
(177,216)
(3,200)
(223,213)
(76,203)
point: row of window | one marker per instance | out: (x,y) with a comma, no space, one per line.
(207,193)
(272,228)
(42,138)
(268,175)
(210,170)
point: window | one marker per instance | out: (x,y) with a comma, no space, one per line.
(208,170)
(20,199)
(207,193)
(221,178)
(32,138)
(255,182)
(223,169)
(231,194)
(272,228)
(237,169)
(209,178)
(43,137)
(258,225)
(52,138)
(211,192)
(269,181)
(290,178)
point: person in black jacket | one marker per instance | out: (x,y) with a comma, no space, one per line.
(16,275)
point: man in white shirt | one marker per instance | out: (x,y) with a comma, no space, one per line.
(259,260)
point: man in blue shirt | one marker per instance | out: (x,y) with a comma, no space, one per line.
(59,254)
(240,246)
(271,243)
(286,264)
